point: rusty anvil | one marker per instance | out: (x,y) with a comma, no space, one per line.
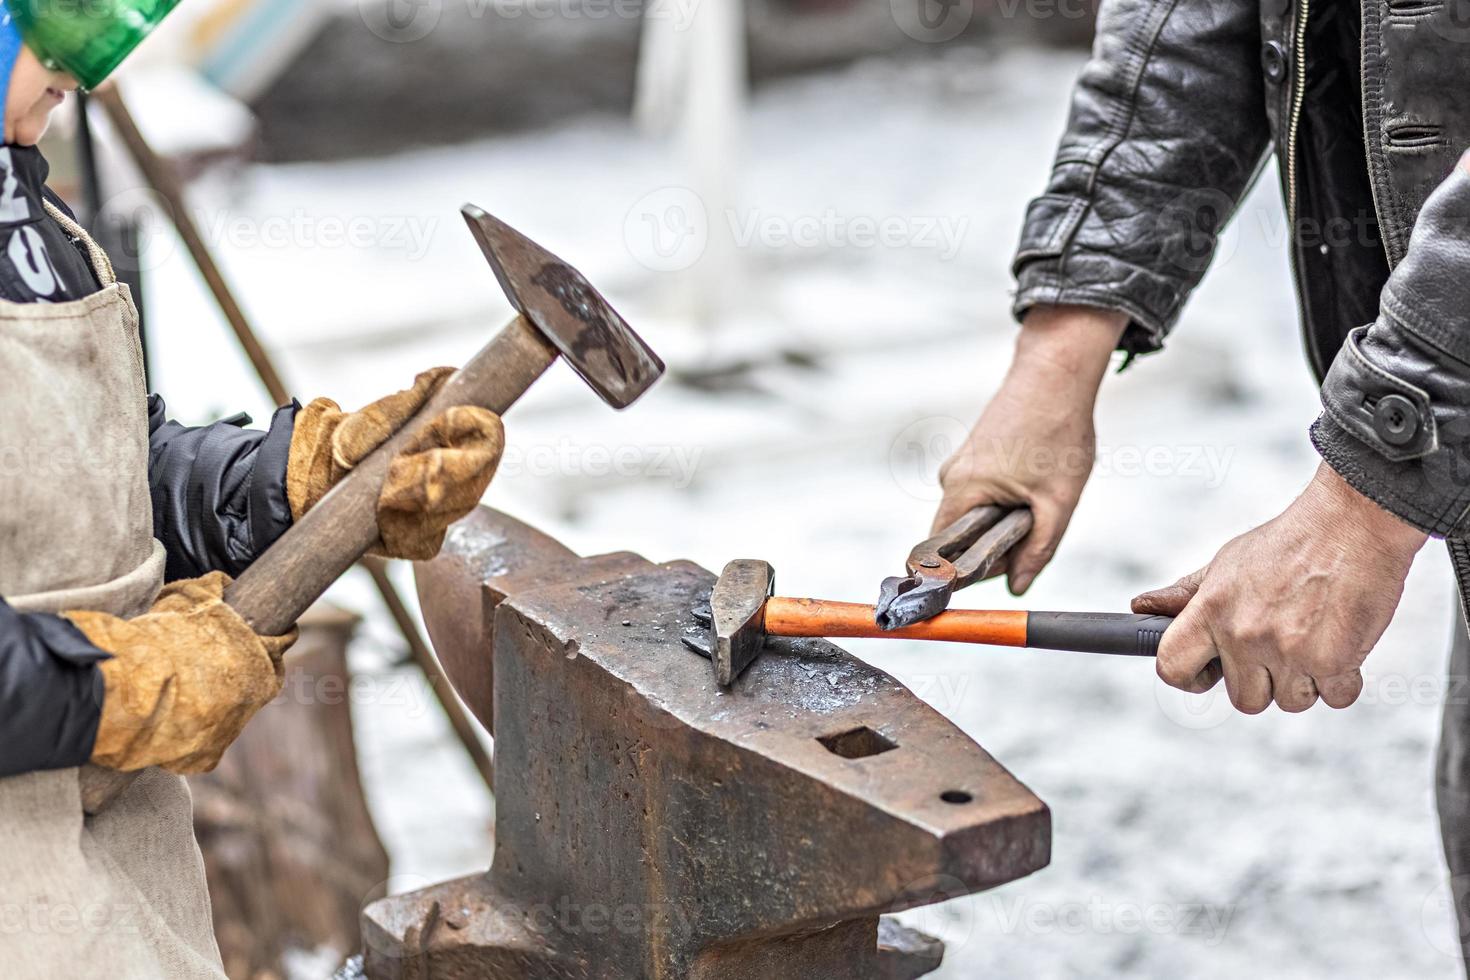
(653,826)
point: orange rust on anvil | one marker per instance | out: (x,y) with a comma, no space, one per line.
(818,617)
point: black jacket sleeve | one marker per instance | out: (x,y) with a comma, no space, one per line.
(50,693)
(1396,403)
(1168,130)
(219,491)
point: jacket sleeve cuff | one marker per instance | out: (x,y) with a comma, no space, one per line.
(1397,489)
(1392,439)
(50,693)
(1396,403)
(269,508)
(1053,266)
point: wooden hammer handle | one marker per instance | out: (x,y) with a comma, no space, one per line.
(330,538)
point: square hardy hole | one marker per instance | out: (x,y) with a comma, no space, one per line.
(860,743)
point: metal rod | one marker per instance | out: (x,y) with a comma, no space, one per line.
(165,183)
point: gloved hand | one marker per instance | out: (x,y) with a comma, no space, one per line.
(434,482)
(183,680)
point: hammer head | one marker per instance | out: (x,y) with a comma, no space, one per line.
(738,616)
(558,301)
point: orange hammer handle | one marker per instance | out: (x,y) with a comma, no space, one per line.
(817,617)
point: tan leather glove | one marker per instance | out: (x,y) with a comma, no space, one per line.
(434,482)
(183,680)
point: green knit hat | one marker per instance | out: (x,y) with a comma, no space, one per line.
(87,38)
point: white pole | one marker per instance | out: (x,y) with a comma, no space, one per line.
(692,85)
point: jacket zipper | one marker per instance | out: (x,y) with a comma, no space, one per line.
(1298,100)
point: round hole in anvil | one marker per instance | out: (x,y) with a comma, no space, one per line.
(956,796)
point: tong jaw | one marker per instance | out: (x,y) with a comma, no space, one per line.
(960,555)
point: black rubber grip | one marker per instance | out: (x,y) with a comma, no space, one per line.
(1123,634)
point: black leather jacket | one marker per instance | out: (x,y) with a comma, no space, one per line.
(1367,106)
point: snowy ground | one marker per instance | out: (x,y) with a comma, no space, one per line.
(1188,841)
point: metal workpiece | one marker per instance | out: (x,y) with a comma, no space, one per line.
(652,824)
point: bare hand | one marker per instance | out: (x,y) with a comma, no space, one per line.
(1035,443)
(1292,609)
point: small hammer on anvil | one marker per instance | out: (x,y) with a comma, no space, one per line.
(744,610)
(559,314)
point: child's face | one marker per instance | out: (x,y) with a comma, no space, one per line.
(35,92)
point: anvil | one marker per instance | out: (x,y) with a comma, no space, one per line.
(652,825)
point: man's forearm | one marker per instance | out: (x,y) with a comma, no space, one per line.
(1067,348)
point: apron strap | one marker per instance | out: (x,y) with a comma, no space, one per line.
(101,264)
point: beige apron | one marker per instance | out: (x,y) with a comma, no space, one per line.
(120,894)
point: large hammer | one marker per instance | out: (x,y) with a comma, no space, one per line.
(560,313)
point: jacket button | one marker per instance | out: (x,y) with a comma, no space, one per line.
(1396,420)
(1274,60)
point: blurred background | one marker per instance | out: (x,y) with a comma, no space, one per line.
(808,208)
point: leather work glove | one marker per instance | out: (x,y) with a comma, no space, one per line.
(435,481)
(183,680)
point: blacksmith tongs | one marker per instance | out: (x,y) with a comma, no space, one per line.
(960,555)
